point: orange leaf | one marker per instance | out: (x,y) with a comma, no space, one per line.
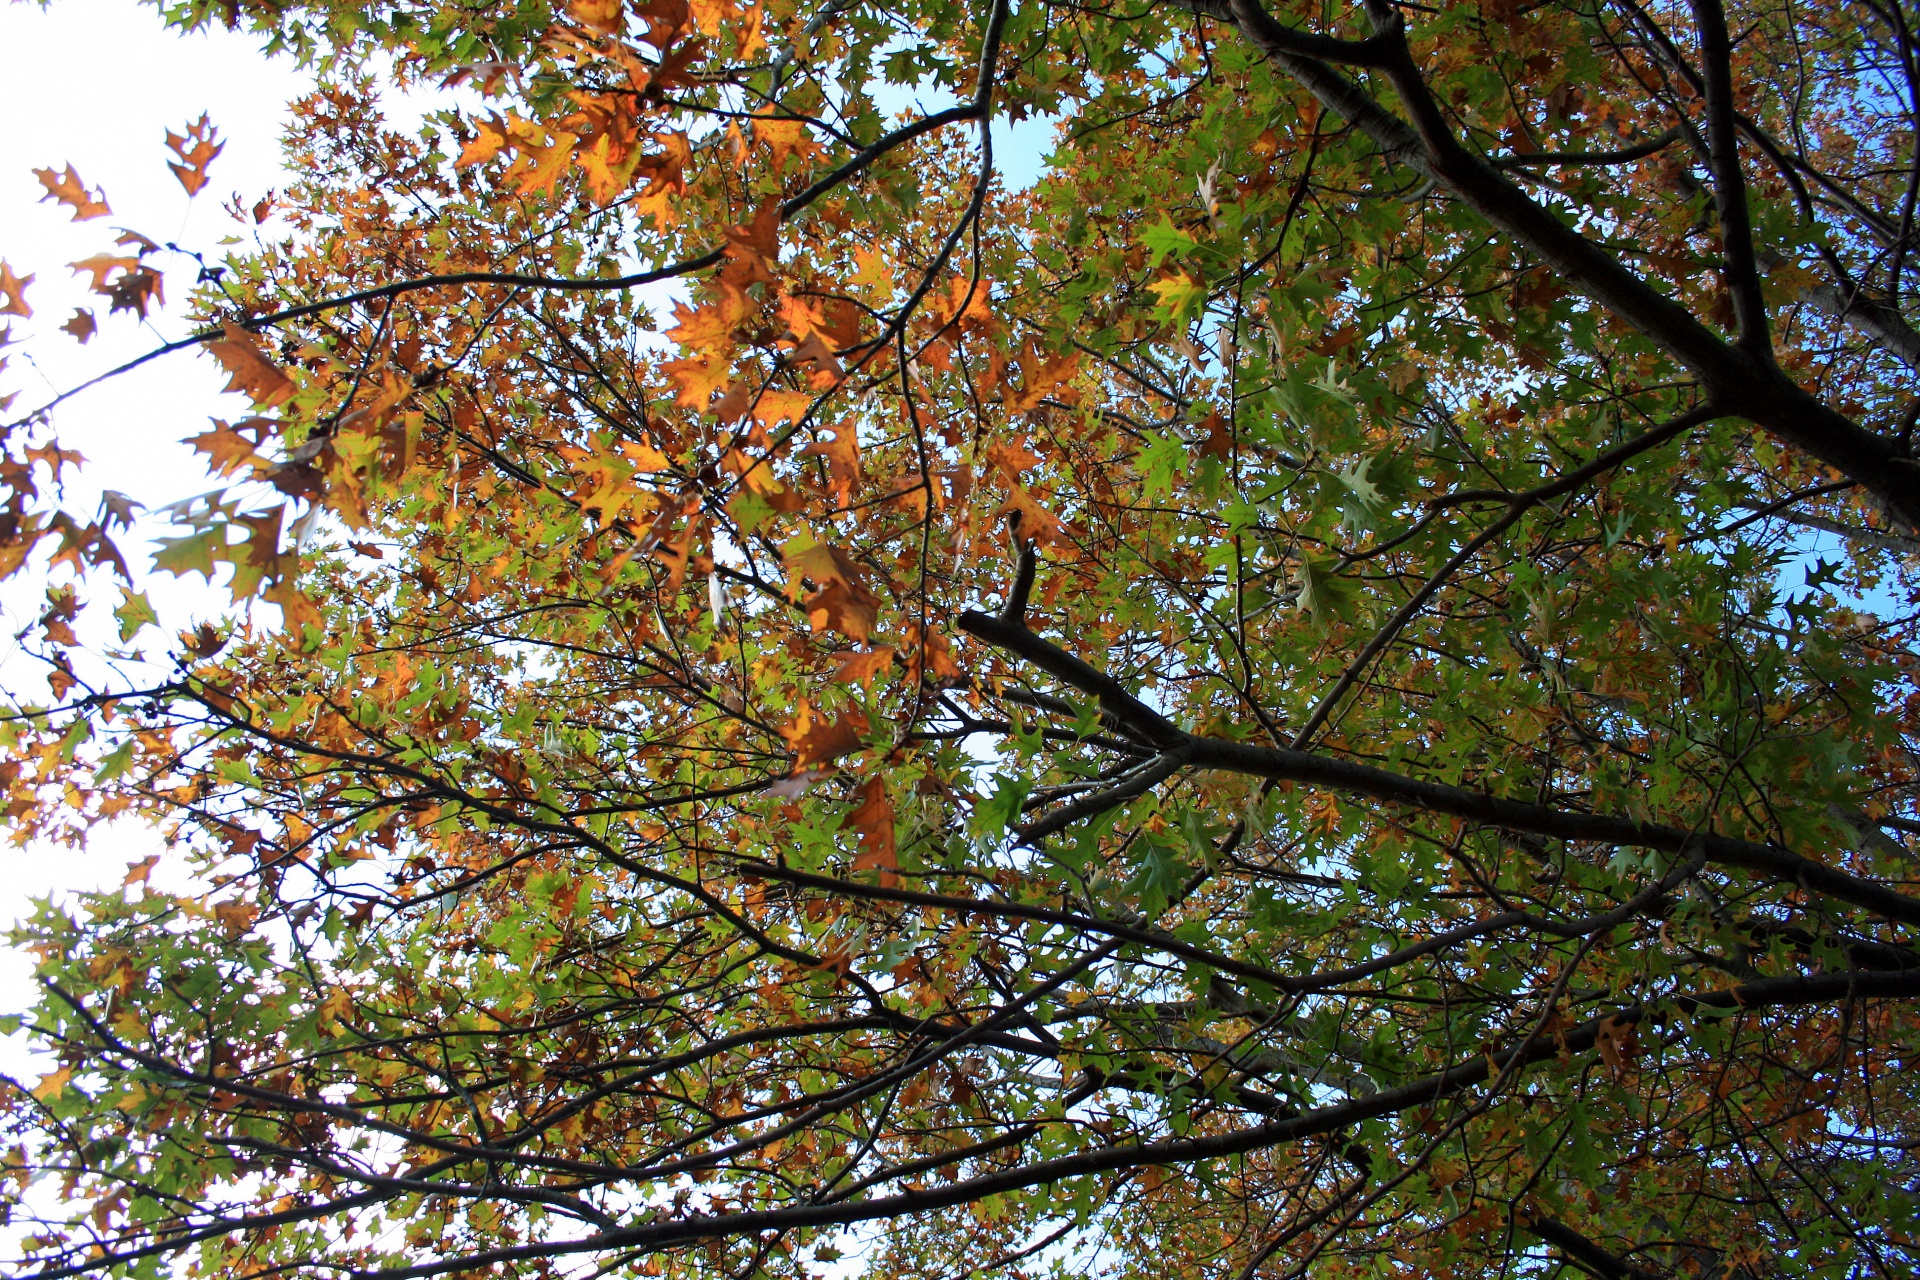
(815,741)
(827,370)
(873,821)
(102,265)
(485,145)
(81,326)
(196,149)
(785,138)
(816,560)
(226,449)
(1042,376)
(14,289)
(847,608)
(842,453)
(69,190)
(860,668)
(235,917)
(929,657)
(757,244)
(251,372)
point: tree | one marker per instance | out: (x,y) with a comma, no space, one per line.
(1326,689)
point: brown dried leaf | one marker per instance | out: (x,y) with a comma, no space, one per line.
(251,372)
(70,190)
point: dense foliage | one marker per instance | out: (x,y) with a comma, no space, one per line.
(1327,688)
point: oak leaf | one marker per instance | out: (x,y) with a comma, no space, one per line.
(196,148)
(817,741)
(236,918)
(250,371)
(872,821)
(101,266)
(824,564)
(135,290)
(70,190)
(14,289)
(842,453)
(226,449)
(81,326)
(785,138)
(861,668)
(826,367)
(1178,293)
(845,607)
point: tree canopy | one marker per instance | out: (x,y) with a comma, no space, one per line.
(1325,688)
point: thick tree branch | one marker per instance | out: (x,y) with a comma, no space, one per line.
(1730,184)
(1740,380)
(1284,764)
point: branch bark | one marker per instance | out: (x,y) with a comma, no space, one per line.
(1744,379)
(1284,764)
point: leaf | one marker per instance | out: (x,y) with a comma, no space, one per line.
(825,565)
(817,741)
(1354,477)
(69,190)
(53,1085)
(196,149)
(236,918)
(250,372)
(103,265)
(873,822)
(786,139)
(137,872)
(1179,295)
(841,450)
(135,612)
(14,289)
(81,326)
(861,668)
(1325,596)
(194,553)
(844,607)
(135,291)
(1164,239)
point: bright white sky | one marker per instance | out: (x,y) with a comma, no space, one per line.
(95,84)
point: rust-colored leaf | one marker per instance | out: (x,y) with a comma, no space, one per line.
(14,289)
(249,370)
(872,821)
(69,190)
(196,149)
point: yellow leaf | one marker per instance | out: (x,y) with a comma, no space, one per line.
(52,1086)
(1178,294)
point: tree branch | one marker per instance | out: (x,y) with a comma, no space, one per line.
(1285,764)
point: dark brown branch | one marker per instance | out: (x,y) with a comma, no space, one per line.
(1730,184)
(1582,1251)
(1768,992)
(1744,384)
(1625,155)
(1284,764)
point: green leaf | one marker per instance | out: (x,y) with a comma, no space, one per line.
(195,553)
(1165,239)
(135,612)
